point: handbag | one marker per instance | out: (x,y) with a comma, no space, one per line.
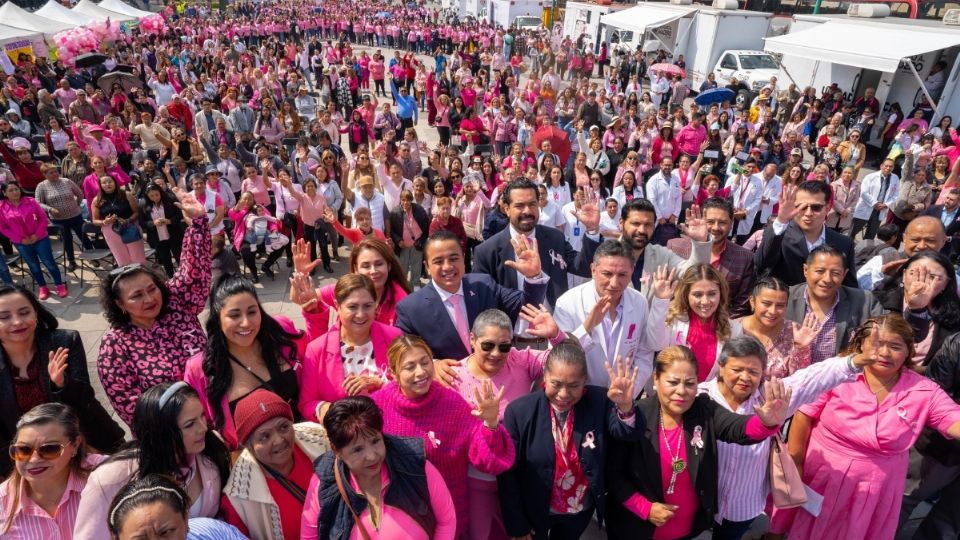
(786,487)
(346,500)
(128,232)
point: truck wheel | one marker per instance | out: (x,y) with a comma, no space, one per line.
(745,98)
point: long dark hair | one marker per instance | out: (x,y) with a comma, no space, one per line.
(46,320)
(277,346)
(944,308)
(158,443)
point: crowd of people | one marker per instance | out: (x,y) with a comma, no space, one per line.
(593,300)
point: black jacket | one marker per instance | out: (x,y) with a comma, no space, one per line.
(783,256)
(944,369)
(634,467)
(525,488)
(396,227)
(170,212)
(100,430)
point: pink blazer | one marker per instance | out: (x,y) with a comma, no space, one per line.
(319,322)
(323,366)
(194,376)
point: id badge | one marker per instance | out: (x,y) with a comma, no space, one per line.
(576,231)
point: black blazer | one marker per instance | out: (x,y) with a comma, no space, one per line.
(635,467)
(952,229)
(557,257)
(525,488)
(396,227)
(783,256)
(171,212)
(100,430)
(422,313)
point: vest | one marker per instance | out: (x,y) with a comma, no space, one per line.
(210,206)
(405,460)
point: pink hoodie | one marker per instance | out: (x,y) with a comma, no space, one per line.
(18,221)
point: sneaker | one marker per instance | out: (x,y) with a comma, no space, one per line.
(62,290)
(267,271)
(44,293)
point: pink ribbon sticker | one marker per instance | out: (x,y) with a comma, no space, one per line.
(588,441)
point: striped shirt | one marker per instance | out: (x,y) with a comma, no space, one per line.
(743,484)
(31,522)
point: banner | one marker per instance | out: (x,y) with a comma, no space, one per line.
(15,48)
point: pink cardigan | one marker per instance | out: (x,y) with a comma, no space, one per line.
(323,366)
(17,222)
(454,438)
(394,524)
(194,376)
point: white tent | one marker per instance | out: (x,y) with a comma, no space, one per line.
(865,45)
(12,15)
(646,16)
(56,11)
(9,33)
(122,7)
(89,8)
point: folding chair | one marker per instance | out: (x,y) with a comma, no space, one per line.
(98,260)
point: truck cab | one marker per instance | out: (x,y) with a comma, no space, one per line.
(752,68)
(528,22)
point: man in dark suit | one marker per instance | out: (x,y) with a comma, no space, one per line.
(735,263)
(798,229)
(556,254)
(442,312)
(949,214)
(839,309)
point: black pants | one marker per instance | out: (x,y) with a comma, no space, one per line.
(379,88)
(943,521)
(248,254)
(566,527)
(444,133)
(404,124)
(73,225)
(165,256)
(315,236)
(871,224)
(731,530)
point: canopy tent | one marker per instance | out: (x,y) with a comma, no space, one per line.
(89,8)
(874,46)
(12,15)
(56,11)
(10,33)
(122,7)
(646,16)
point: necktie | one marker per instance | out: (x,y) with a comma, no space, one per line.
(460,319)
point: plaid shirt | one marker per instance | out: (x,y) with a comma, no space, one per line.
(62,195)
(824,344)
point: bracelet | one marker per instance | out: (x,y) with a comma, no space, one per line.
(853,367)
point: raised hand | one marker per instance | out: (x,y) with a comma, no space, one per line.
(188,204)
(664,282)
(774,410)
(788,204)
(868,350)
(540,320)
(329,215)
(57,366)
(921,289)
(589,212)
(527,257)
(302,291)
(696,227)
(487,403)
(623,377)
(301,257)
(891,267)
(661,513)
(597,313)
(804,332)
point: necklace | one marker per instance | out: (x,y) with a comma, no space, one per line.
(677,465)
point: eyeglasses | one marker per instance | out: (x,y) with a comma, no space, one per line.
(487,346)
(49,451)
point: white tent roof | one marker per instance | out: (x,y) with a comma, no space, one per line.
(89,8)
(644,16)
(11,15)
(877,46)
(122,7)
(56,11)
(9,33)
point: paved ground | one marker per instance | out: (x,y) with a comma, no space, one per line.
(81,311)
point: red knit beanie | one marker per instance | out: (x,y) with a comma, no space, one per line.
(256,408)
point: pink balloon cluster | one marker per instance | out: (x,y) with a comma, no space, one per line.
(76,41)
(153,25)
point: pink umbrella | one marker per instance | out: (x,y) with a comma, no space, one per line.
(668,69)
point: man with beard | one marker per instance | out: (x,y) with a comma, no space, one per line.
(520,198)
(638,218)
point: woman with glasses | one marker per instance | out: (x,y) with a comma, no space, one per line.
(171,438)
(41,497)
(153,322)
(853,153)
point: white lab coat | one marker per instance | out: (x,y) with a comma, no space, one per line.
(642,331)
(771,192)
(665,194)
(745,193)
(870,192)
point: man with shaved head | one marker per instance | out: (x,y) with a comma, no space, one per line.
(924,232)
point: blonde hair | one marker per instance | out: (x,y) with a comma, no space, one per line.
(680,305)
(401,346)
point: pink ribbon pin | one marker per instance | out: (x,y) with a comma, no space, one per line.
(697,440)
(433,439)
(588,441)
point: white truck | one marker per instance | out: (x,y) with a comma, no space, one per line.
(752,68)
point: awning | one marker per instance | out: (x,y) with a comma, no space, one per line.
(123,7)
(639,19)
(10,33)
(58,12)
(11,15)
(89,8)
(875,46)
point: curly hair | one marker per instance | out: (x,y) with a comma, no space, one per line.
(680,305)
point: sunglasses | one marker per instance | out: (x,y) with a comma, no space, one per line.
(49,451)
(487,346)
(817,207)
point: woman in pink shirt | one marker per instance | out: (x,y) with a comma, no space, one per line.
(366,464)
(657,489)
(24,222)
